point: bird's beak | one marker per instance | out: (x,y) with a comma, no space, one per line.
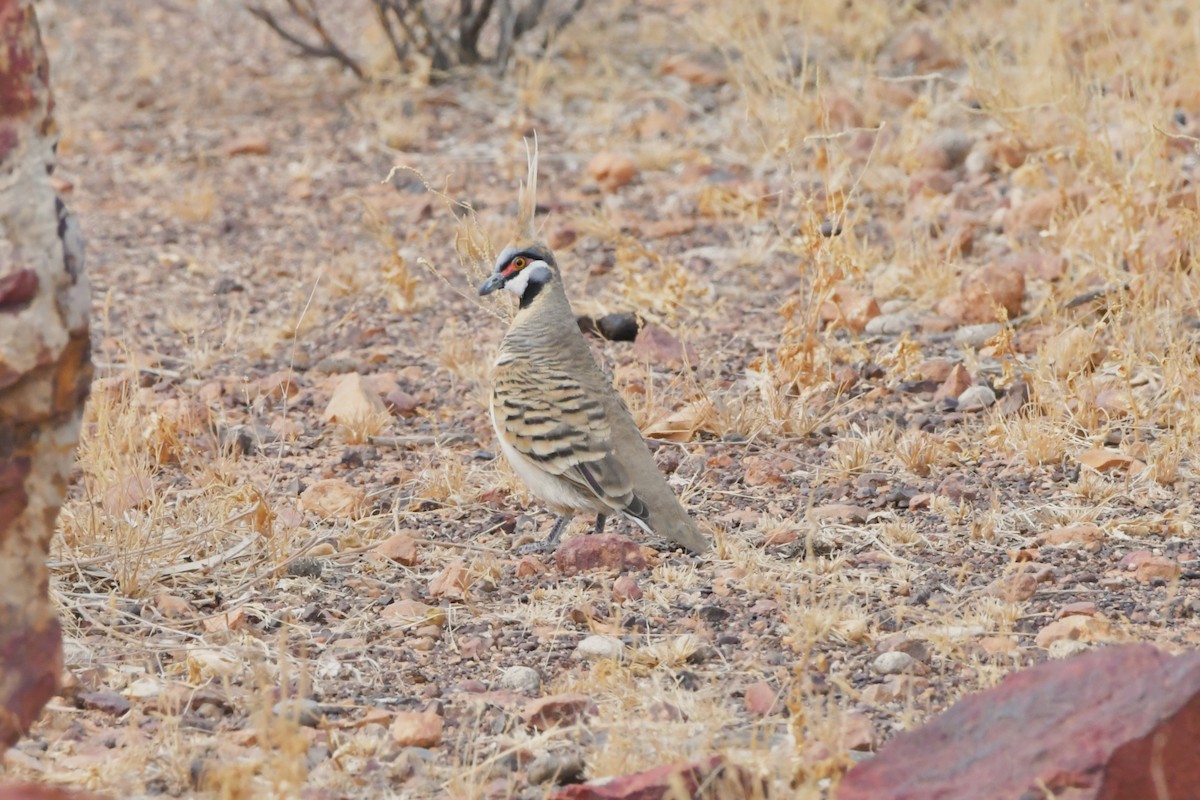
(493,283)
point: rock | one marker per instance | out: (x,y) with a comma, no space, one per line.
(1034,214)
(333,498)
(106,702)
(893,324)
(1065,648)
(619,327)
(841,512)
(612,170)
(957,382)
(762,699)
(1015,399)
(976,398)
(34,791)
(521,679)
(303,711)
(1113,723)
(849,308)
(356,406)
(1084,533)
(452,581)
(710,778)
(917,47)
(417,729)
(946,150)
(660,347)
(598,647)
(557,709)
(402,403)
(990,286)
(127,494)
(936,369)
(893,662)
(857,733)
(1103,460)
(610,551)
(400,547)
(409,613)
(976,336)
(1157,568)
(1085,628)
(557,768)
(693,71)
(626,588)
(248,144)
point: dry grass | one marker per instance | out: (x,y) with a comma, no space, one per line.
(797,166)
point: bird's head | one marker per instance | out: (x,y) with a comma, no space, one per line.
(525,267)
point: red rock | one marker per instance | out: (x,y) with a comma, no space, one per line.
(762,699)
(626,588)
(400,547)
(1157,568)
(841,512)
(1034,214)
(955,383)
(529,566)
(401,402)
(1103,460)
(1081,608)
(1112,724)
(599,551)
(33,791)
(612,170)
(557,709)
(659,346)
(248,144)
(710,778)
(1078,628)
(693,71)
(452,582)
(1084,533)
(988,287)
(935,369)
(417,729)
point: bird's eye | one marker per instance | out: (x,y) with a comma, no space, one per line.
(519,262)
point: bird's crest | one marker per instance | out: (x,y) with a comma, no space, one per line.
(527,200)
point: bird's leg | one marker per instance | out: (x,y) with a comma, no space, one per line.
(600,520)
(560,525)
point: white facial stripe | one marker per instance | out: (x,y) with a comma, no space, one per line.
(537,272)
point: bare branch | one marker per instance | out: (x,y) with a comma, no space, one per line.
(328,50)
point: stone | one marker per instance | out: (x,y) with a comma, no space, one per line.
(976,336)
(893,662)
(712,777)
(1157,568)
(1103,460)
(521,679)
(417,728)
(610,551)
(1118,722)
(988,287)
(976,398)
(1077,627)
(660,347)
(452,581)
(400,547)
(598,647)
(612,170)
(893,324)
(557,709)
(762,699)
(956,382)
(333,498)
(619,327)
(625,588)
(1084,533)
(557,768)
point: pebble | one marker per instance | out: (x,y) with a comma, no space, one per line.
(597,647)
(521,679)
(976,335)
(555,768)
(893,662)
(893,324)
(304,711)
(976,398)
